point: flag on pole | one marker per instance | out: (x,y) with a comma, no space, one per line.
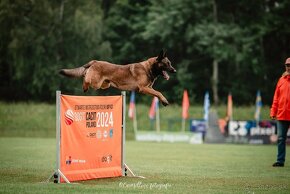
(153,108)
(258,106)
(230,107)
(132,105)
(206,106)
(154,111)
(185,105)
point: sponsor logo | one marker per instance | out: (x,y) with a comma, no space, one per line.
(111,133)
(107,159)
(69,160)
(69,117)
(92,135)
(105,134)
(99,134)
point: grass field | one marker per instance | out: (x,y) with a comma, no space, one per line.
(38,119)
(168,168)
(28,155)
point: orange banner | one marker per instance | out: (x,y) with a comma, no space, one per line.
(91,137)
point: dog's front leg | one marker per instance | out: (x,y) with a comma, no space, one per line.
(151,91)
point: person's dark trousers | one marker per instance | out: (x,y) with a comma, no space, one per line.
(282,129)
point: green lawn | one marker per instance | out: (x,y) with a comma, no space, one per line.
(38,119)
(168,168)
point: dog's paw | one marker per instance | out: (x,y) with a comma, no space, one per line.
(165,103)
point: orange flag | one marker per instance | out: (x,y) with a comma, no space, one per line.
(185,105)
(230,107)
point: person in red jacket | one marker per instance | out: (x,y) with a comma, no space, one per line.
(280,111)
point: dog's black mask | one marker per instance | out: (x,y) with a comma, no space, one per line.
(163,65)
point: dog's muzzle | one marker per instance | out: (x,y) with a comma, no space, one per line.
(173,70)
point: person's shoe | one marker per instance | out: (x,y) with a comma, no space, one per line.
(278,164)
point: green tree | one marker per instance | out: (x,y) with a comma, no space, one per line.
(246,41)
(44,36)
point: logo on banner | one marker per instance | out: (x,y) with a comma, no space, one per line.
(107,159)
(111,133)
(68,160)
(105,134)
(69,117)
(101,135)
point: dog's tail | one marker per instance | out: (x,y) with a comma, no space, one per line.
(76,72)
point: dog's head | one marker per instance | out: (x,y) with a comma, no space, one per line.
(163,64)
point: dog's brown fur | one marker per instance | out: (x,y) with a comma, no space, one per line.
(136,76)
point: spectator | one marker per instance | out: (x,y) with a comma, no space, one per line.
(280,111)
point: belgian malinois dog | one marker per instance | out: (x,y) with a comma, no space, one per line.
(136,76)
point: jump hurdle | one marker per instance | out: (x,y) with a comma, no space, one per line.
(90,138)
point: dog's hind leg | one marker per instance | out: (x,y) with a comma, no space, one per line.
(151,91)
(85,86)
(93,81)
(86,81)
(95,85)
(106,84)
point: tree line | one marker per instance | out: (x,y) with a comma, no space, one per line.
(219,46)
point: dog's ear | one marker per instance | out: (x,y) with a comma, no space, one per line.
(161,55)
(164,53)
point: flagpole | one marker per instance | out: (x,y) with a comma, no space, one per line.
(258,108)
(157,119)
(183,125)
(135,126)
